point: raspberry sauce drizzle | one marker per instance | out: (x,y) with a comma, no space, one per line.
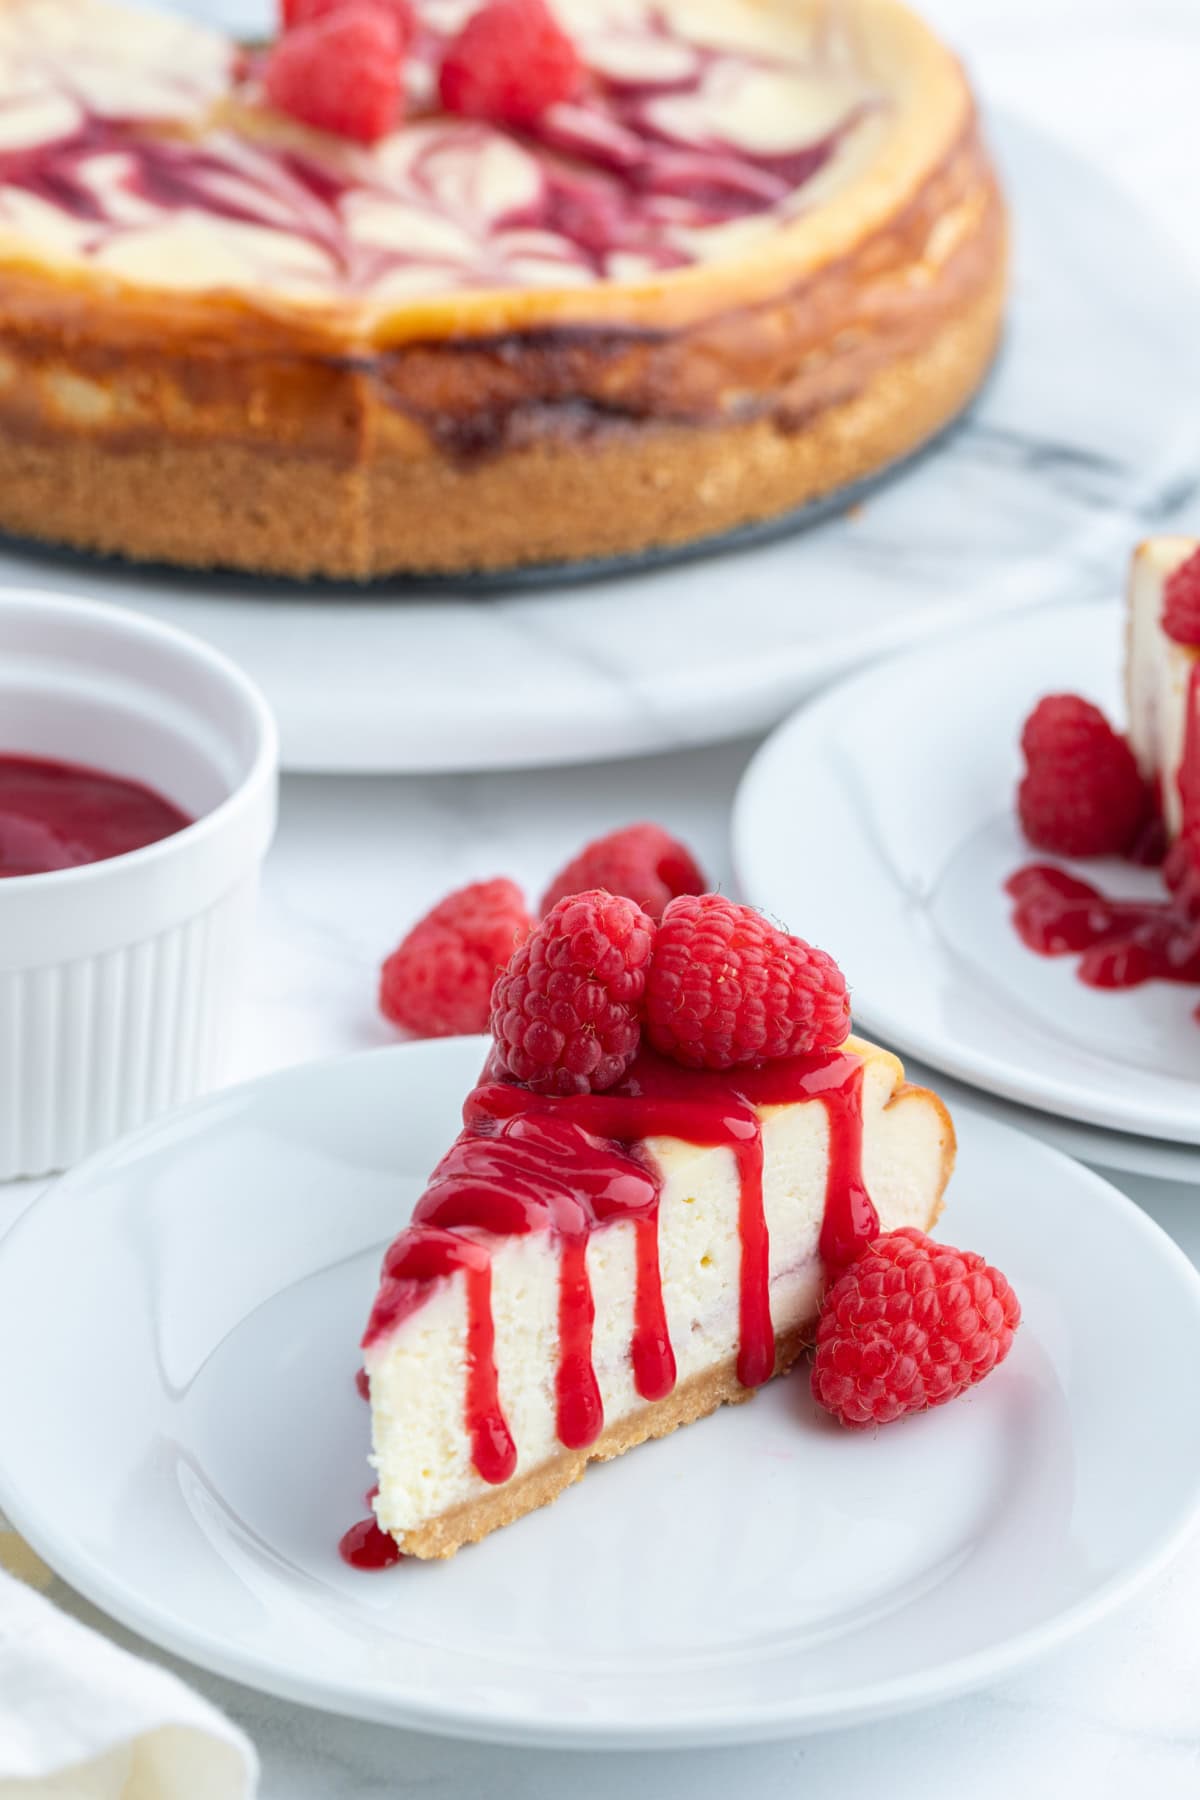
(493,1450)
(422,1255)
(367,1546)
(850,1218)
(756,1345)
(580,1413)
(653,1357)
(524,1162)
(1124,942)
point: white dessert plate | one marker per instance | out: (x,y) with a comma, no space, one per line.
(185,1444)
(1032,497)
(880,822)
(1121,1152)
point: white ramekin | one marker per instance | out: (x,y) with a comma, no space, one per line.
(118,979)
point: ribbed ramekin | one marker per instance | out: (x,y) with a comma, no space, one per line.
(118,979)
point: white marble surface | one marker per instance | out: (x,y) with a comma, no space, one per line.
(357,859)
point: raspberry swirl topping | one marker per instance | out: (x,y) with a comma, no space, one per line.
(144,146)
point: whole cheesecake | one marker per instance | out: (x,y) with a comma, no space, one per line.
(756,258)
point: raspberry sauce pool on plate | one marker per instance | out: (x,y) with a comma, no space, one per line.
(58,815)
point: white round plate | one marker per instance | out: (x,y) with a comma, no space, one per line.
(1119,1151)
(880,823)
(1031,498)
(185,1445)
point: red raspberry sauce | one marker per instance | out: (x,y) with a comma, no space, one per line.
(526,1162)
(1124,942)
(365,1546)
(56,815)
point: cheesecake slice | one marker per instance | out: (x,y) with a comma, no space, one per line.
(585,1273)
(1162,679)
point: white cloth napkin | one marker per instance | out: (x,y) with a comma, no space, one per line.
(81,1719)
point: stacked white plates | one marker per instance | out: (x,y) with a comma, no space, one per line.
(879,822)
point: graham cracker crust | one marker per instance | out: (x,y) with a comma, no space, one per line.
(690,1400)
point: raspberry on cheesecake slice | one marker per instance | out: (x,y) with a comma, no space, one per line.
(640,1226)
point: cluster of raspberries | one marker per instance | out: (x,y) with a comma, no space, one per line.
(628,943)
(439,982)
(339,64)
(712,986)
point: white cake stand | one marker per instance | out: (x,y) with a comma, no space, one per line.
(1086,433)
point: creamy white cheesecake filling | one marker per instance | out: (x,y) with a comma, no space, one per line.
(1158,672)
(418,1372)
(139,144)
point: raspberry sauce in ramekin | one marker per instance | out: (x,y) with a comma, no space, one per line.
(60,815)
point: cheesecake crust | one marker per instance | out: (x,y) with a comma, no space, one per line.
(497,431)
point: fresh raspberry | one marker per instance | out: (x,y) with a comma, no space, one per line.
(565,1011)
(340,72)
(439,982)
(301,12)
(1181,602)
(1083,793)
(643,862)
(910,1324)
(1182,865)
(727,988)
(510,61)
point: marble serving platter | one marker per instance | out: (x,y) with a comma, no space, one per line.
(1084,435)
